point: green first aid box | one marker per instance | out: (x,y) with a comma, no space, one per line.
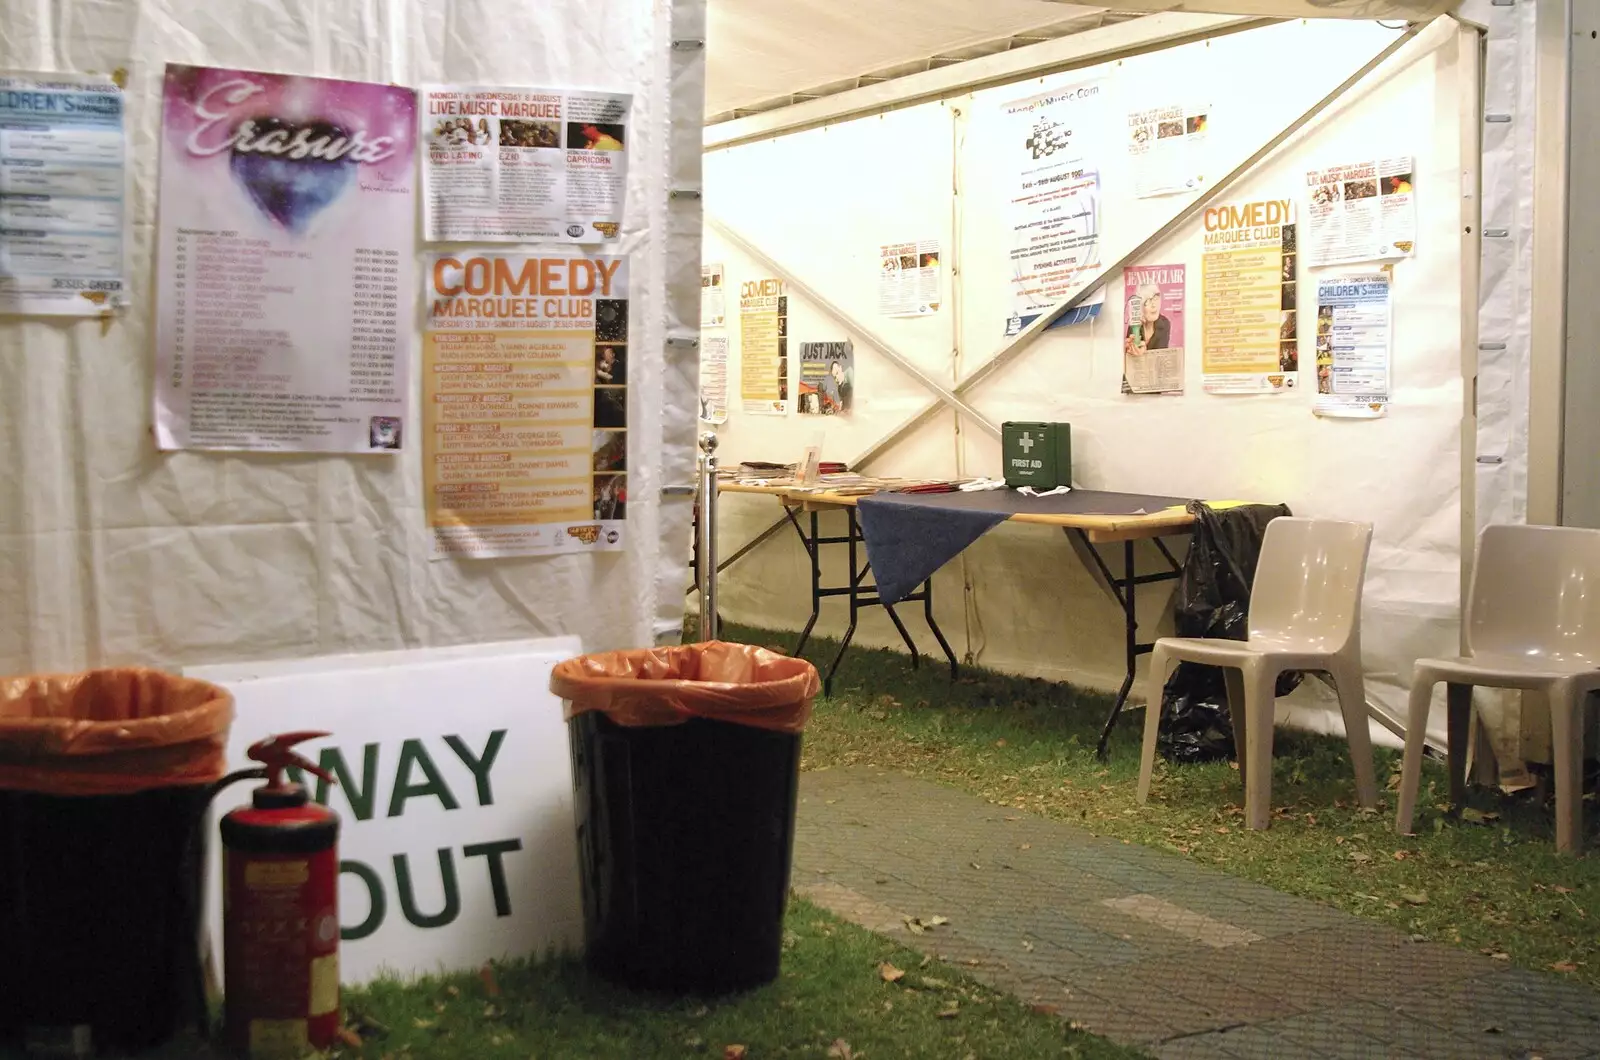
(1037,454)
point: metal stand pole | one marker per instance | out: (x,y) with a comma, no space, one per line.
(708,536)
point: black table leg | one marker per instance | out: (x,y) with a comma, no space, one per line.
(938,634)
(1125,589)
(812,549)
(854,592)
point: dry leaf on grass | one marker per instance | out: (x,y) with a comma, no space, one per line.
(1562,890)
(1360,858)
(1044,1010)
(840,1050)
(1564,966)
(491,984)
(350,1038)
(733,1052)
(938,921)
(422,1025)
(951,1010)
(890,973)
(1415,897)
(453,990)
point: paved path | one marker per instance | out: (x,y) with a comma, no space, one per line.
(1149,949)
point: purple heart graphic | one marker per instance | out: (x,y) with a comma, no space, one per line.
(292,191)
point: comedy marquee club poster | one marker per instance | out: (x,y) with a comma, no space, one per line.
(525,363)
(286,231)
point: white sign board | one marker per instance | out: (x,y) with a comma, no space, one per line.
(457,842)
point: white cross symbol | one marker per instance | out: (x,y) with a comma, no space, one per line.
(1027,443)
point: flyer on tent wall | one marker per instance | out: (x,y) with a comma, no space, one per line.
(61,195)
(510,165)
(763,347)
(1354,345)
(827,378)
(713,297)
(1166,149)
(286,230)
(908,278)
(1152,344)
(714,378)
(1364,211)
(525,403)
(1051,147)
(1250,345)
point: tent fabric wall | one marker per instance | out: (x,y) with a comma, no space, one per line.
(112,553)
(820,201)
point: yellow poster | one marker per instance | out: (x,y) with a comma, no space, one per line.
(525,403)
(764,347)
(1250,343)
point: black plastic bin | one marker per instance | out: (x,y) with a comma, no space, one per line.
(100,911)
(104,780)
(685,820)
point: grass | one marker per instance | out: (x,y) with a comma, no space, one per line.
(1491,881)
(831,1002)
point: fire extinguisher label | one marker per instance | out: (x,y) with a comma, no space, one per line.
(325,984)
(271,875)
(278,1038)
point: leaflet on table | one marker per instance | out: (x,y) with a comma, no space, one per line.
(286,232)
(1248,294)
(62,184)
(1364,211)
(713,300)
(1166,149)
(1050,149)
(1152,344)
(908,278)
(512,165)
(714,378)
(525,403)
(827,378)
(763,347)
(1354,348)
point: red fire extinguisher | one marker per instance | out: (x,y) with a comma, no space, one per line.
(280,915)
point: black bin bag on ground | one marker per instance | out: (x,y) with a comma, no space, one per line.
(1213,601)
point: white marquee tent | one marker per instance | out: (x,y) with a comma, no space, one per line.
(816,154)
(113,553)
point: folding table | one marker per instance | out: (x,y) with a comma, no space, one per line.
(1089,518)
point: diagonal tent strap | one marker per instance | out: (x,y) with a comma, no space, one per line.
(908,541)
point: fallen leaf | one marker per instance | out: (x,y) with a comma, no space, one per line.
(1223,829)
(1027,945)
(1360,858)
(840,1050)
(490,1012)
(1499,956)
(421,1025)
(938,921)
(913,925)
(1472,816)
(1026,846)
(1414,897)
(951,1010)
(453,991)
(1044,1010)
(999,743)
(890,973)
(733,1052)
(1401,855)
(1562,890)
(1564,966)
(350,1038)
(1074,1025)
(928,982)
(1338,840)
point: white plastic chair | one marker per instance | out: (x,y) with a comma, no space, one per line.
(1533,623)
(1305,614)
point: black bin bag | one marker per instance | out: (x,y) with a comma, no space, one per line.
(1213,601)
